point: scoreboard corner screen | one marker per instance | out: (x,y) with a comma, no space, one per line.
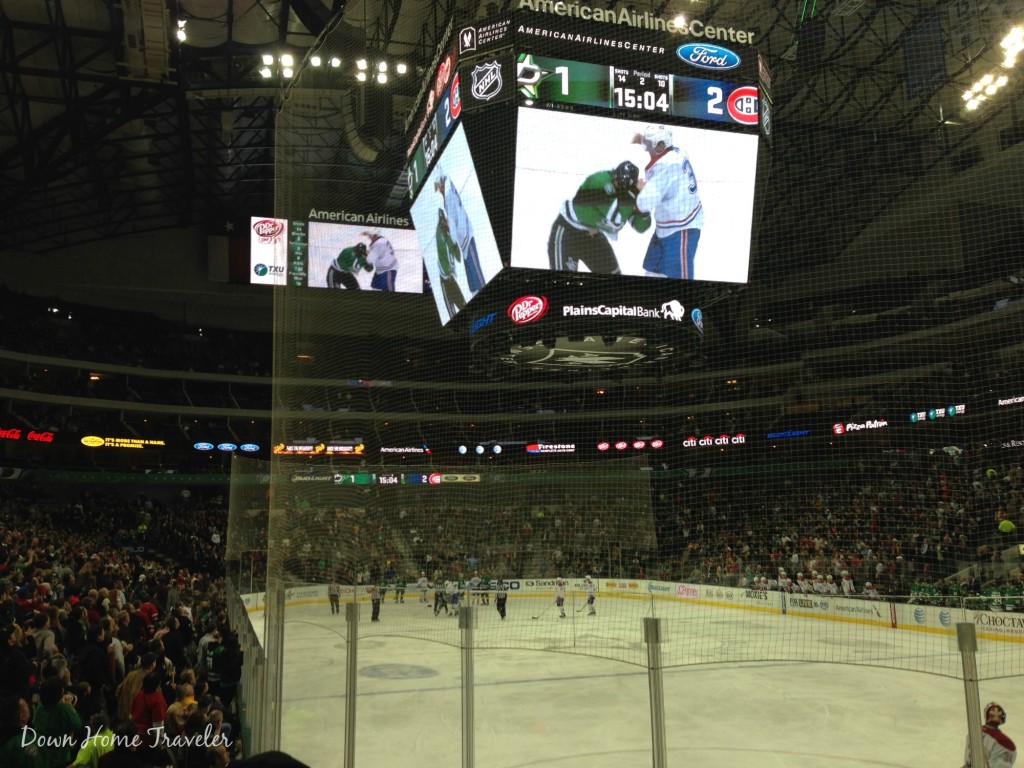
(634,144)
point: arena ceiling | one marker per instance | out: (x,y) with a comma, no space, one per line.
(110,126)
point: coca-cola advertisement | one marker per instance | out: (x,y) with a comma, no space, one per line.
(460,252)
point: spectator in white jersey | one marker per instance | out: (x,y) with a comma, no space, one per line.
(847,585)
(831,588)
(669,194)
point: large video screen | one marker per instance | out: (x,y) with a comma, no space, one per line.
(606,195)
(357,257)
(460,253)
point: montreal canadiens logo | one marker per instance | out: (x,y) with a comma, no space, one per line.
(704,56)
(742,105)
(455,98)
(527,309)
(267,229)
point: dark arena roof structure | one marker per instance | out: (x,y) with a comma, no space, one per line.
(886,223)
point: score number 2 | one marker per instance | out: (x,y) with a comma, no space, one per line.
(715,99)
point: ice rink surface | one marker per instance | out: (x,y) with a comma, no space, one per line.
(546,700)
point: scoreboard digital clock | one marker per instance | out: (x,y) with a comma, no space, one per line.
(548,81)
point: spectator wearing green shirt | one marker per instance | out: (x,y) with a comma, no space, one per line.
(55,723)
(99,740)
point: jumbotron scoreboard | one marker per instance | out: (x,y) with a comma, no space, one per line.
(636,91)
(528,109)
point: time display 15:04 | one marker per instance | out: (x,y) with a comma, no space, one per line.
(638,89)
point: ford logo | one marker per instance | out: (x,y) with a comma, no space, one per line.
(704,56)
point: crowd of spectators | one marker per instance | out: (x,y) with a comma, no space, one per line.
(113,610)
(104,632)
(937,525)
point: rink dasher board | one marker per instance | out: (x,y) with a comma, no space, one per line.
(999,626)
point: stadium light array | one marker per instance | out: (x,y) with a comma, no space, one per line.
(1012,44)
(990,84)
(284,65)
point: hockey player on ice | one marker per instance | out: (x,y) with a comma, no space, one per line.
(591,595)
(560,596)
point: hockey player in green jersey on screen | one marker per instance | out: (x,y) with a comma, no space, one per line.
(586,225)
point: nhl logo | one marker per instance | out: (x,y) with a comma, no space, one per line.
(486,81)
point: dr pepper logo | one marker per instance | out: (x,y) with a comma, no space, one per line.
(267,229)
(742,105)
(527,309)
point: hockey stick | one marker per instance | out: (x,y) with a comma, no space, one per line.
(542,612)
(581,607)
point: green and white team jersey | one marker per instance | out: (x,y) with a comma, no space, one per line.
(993,598)
(350,260)
(485,582)
(399,583)
(447,253)
(1012,596)
(599,207)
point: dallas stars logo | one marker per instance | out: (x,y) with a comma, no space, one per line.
(529,75)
